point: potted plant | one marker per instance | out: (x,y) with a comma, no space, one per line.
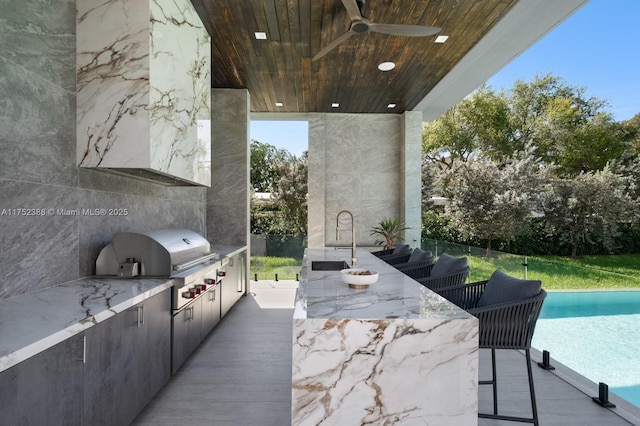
(390,231)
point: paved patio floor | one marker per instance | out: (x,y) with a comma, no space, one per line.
(241,376)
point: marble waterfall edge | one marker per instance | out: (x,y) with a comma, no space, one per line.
(409,371)
(143,88)
(394,353)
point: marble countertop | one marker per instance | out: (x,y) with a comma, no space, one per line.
(322,294)
(33,322)
(227,251)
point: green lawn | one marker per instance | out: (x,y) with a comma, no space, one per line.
(556,273)
(268,267)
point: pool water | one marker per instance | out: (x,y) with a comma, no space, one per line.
(597,334)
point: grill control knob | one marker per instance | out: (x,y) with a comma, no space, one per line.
(189,294)
(221,273)
(209,281)
(201,287)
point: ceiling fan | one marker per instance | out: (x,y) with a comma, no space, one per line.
(360,25)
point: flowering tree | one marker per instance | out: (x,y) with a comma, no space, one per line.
(590,204)
(290,191)
(490,201)
(284,176)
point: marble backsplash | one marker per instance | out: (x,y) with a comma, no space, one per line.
(369,188)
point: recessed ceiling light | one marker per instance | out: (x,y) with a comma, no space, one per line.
(441,39)
(386,66)
(335,105)
(260,35)
(279,104)
(391,106)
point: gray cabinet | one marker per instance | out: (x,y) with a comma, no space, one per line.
(104,376)
(187,332)
(45,389)
(127,361)
(233,283)
(210,309)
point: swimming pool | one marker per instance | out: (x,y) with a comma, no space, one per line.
(597,334)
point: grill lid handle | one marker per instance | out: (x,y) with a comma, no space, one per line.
(203,259)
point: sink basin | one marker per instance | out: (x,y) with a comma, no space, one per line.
(328,265)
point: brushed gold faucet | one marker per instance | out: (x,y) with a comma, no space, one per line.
(353,235)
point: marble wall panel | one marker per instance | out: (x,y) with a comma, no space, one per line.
(366,216)
(37,160)
(411,161)
(108,213)
(38,245)
(36,134)
(316,182)
(219,230)
(228,197)
(143,73)
(39,36)
(355,163)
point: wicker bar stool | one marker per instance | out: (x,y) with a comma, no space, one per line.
(507,309)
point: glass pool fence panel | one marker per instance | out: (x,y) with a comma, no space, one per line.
(277,257)
(556,273)
(482,263)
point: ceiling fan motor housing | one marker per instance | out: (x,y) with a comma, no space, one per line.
(360,27)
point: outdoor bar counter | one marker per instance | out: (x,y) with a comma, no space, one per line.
(393,353)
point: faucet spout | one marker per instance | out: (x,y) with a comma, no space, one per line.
(353,234)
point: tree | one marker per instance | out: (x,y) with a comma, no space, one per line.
(291,192)
(478,122)
(590,204)
(566,128)
(264,158)
(282,174)
(490,201)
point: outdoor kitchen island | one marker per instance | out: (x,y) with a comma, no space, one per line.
(393,353)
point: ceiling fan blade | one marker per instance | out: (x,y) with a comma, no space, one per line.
(352,9)
(329,47)
(403,30)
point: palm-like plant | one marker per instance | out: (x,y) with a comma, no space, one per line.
(390,230)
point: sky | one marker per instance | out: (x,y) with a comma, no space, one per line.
(598,48)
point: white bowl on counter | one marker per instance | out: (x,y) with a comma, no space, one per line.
(358,277)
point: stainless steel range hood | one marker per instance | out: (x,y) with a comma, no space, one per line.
(160,253)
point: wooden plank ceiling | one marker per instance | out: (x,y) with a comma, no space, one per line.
(280,69)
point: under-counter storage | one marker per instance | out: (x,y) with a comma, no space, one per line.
(127,361)
(187,333)
(192,323)
(211,309)
(102,376)
(45,389)
(233,283)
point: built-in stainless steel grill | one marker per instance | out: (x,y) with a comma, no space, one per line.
(180,254)
(196,272)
